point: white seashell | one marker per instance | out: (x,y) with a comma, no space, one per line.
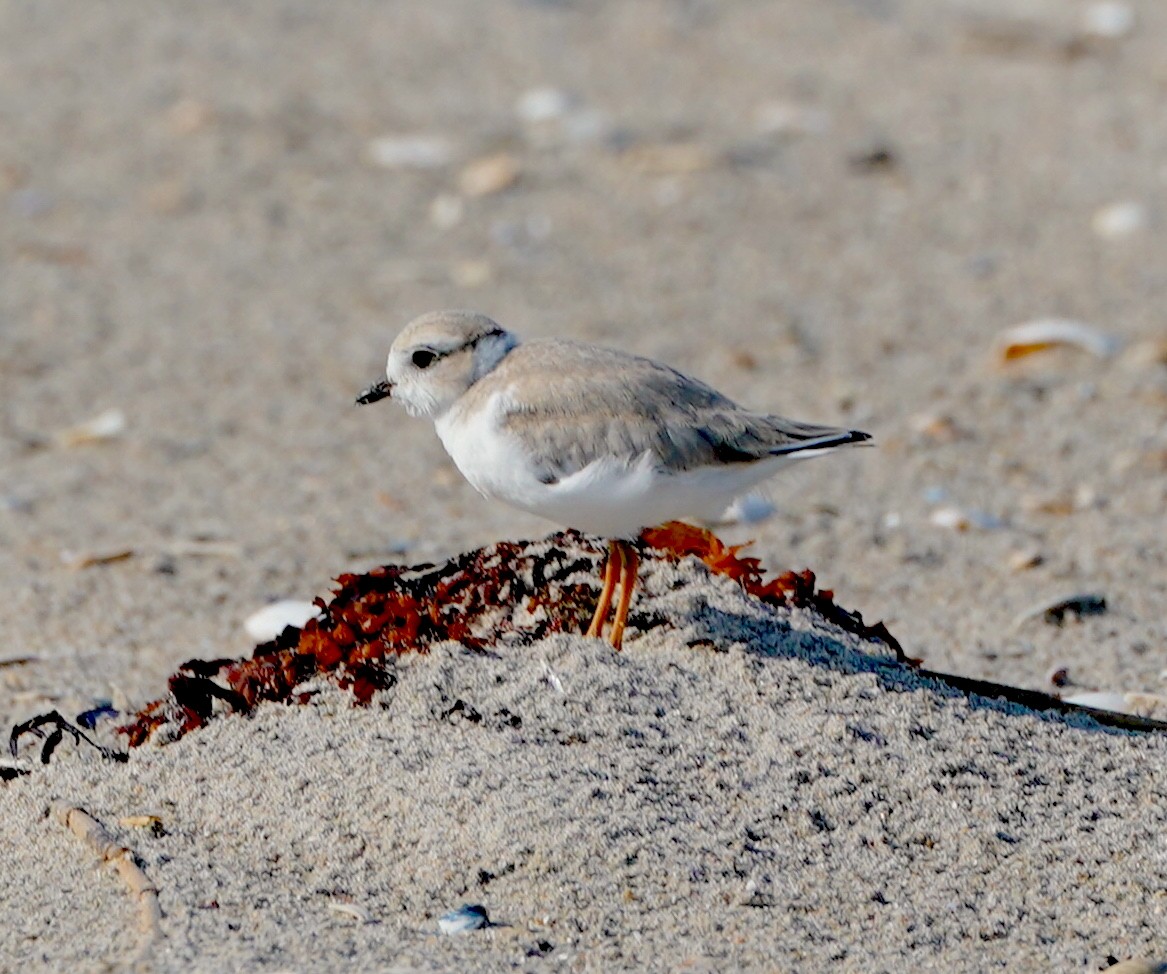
(411,151)
(962,519)
(1119,220)
(108,425)
(1043,333)
(1111,19)
(538,105)
(748,509)
(266,624)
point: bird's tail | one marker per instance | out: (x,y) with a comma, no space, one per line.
(820,444)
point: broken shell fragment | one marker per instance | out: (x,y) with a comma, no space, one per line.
(491,174)
(266,624)
(1046,333)
(960,519)
(1119,220)
(464,920)
(1140,704)
(748,509)
(1025,558)
(410,152)
(108,425)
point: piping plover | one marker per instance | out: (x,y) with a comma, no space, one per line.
(588,437)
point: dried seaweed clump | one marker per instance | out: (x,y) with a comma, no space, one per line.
(517,590)
(787,590)
(511,591)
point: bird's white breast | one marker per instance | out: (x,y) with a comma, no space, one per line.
(612,497)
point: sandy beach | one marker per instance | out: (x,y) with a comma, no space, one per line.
(215,221)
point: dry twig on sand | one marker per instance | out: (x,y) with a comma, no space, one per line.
(96,836)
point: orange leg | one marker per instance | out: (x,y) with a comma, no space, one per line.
(612,568)
(627,584)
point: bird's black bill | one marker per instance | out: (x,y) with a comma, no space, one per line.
(375,393)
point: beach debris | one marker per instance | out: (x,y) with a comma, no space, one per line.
(1108,19)
(1138,704)
(964,519)
(107,425)
(95,835)
(1119,220)
(61,727)
(77,560)
(9,772)
(89,718)
(18,661)
(750,508)
(489,175)
(410,151)
(1058,676)
(1061,504)
(465,919)
(1042,334)
(1058,611)
(151,822)
(267,623)
(1025,558)
(540,105)
(877,158)
(551,116)
(345,908)
(509,592)
(202,548)
(552,678)
(789,119)
(1137,965)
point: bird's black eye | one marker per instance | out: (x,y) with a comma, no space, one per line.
(423,358)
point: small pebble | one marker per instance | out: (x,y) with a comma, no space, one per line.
(411,151)
(539,105)
(267,624)
(464,920)
(189,115)
(446,211)
(1109,19)
(1119,220)
(488,175)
